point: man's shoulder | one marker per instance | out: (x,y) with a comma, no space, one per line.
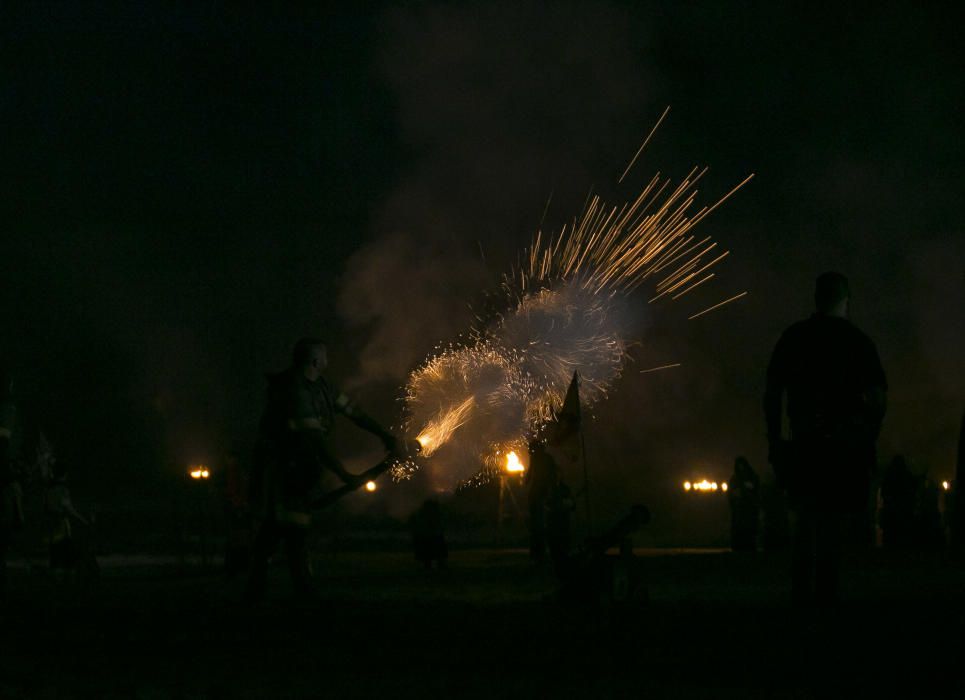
(818,324)
(796,331)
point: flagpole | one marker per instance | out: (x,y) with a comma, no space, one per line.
(586,482)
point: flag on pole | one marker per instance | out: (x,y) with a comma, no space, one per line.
(567,421)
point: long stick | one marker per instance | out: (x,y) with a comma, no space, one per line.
(330,497)
(586,482)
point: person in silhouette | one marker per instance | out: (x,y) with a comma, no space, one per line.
(832,378)
(898,494)
(957,499)
(929,530)
(775,533)
(237,509)
(292,456)
(743,495)
(11,495)
(69,555)
(540,480)
(428,535)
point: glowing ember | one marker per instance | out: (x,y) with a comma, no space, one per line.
(513,465)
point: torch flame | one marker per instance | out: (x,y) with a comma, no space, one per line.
(513,465)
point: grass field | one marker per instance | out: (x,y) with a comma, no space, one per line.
(717,624)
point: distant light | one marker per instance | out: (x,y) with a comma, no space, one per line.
(704,486)
(946,486)
(723,486)
(513,465)
(199,472)
(370,486)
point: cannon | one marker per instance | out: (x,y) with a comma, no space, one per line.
(329,497)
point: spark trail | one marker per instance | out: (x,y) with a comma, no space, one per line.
(472,404)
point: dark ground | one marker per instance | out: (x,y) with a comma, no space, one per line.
(717,625)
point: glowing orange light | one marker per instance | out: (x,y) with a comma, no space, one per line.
(513,465)
(199,472)
(704,486)
(946,486)
(723,486)
(370,486)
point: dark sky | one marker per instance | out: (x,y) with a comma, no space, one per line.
(189,188)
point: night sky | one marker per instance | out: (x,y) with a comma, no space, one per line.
(187,189)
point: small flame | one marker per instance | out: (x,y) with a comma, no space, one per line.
(370,486)
(513,465)
(946,486)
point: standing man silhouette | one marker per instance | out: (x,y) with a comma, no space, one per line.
(835,387)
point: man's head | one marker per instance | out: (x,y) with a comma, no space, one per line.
(831,294)
(310,357)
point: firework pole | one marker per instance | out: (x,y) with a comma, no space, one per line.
(568,421)
(586,482)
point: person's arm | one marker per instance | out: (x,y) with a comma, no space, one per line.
(345,406)
(310,430)
(73,512)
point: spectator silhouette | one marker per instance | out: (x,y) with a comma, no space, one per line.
(428,535)
(743,494)
(898,494)
(835,387)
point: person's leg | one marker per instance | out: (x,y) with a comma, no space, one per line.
(537,529)
(263,547)
(296,549)
(802,556)
(828,557)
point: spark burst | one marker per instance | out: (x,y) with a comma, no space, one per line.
(472,403)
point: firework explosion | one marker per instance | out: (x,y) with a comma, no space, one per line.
(472,405)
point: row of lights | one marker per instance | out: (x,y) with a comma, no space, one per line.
(704,485)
